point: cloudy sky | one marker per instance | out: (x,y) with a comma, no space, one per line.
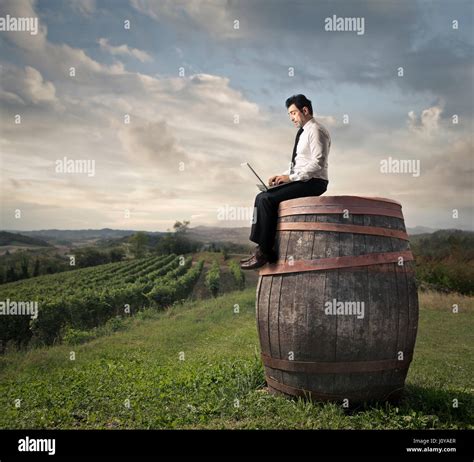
(202,85)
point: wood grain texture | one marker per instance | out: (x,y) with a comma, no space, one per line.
(291,318)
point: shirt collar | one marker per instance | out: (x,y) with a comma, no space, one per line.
(307,123)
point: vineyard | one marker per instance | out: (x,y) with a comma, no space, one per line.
(86,298)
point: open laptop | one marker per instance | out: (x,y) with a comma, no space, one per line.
(262,186)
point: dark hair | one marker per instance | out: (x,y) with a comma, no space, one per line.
(300,101)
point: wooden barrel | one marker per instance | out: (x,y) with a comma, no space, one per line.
(337,314)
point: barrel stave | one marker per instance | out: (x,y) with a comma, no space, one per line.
(290,309)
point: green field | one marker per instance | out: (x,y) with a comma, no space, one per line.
(136,378)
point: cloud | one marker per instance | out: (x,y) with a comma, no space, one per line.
(25,86)
(213,16)
(452,166)
(124,50)
(138,164)
(53,59)
(85,7)
(24,9)
(211,120)
(437,59)
(329,121)
(154,143)
(428,122)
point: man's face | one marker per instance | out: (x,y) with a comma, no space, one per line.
(298,117)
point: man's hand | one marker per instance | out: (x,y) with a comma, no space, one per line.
(281,179)
(271,180)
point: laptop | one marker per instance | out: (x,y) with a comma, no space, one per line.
(262,186)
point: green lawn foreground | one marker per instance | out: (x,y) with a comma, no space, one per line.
(195,366)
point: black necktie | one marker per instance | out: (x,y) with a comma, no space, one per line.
(300,131)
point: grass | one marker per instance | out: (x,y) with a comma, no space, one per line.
(138,377)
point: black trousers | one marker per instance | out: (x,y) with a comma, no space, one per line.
(264,228)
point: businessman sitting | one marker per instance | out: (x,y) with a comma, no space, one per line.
(307,176)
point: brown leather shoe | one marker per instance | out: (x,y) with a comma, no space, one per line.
(242,260)
(256,261)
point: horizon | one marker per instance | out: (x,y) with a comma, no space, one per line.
(193,227)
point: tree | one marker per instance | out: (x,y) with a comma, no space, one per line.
(180,228)
(116,254)
(24,267)
(166,245)
(176,242)
(11,274)
(90,257)
(138,242)
(36,269)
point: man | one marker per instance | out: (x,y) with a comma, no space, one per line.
(307,176)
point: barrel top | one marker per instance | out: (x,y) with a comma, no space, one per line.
(340,201)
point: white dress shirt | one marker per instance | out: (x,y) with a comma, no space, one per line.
(312,152)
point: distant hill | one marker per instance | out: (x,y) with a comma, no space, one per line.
(420,230)
(72,235)
(445,244)
(204,234)
(153,238)
(209,234)
(7,238)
